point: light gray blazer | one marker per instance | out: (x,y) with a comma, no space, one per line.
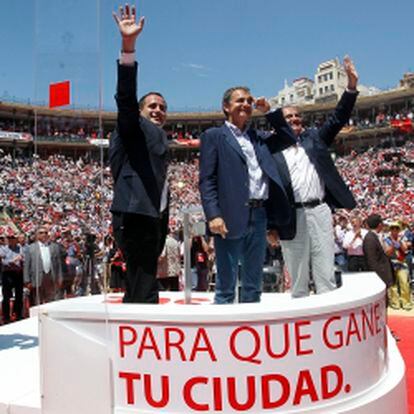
(33,264)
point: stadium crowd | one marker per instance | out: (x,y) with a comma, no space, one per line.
(72,197)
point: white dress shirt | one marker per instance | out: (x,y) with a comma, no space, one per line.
(258,186)
(306,183)
(45,256)
(354,247)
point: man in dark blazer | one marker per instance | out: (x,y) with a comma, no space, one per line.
(375,256)
(314,187)
(138,159)
(235,170)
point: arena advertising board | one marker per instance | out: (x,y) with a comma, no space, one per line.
(15,136)
(248,367)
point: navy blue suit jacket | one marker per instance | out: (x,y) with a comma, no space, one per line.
(224,179)
(138,153)
(316,144)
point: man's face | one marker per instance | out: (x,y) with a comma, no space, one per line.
(155,110)
(12,241)
(395,231)
(356,224)
(240,108)
(42,235)
(294,119)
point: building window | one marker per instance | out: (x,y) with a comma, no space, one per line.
(325,77)
(330,75)
(332,87)
(326,88)
(319,78)
(320,91)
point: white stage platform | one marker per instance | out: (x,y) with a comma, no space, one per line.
(323,354)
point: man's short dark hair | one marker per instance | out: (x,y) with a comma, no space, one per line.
(227,95)
(373,221)
(141,102)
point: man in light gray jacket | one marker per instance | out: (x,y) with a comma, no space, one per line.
(43,268)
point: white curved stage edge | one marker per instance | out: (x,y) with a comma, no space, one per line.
(326,354)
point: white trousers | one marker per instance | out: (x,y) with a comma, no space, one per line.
(312,247)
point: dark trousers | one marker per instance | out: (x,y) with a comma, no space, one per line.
(169,283)
(46,292)
(357,263)
(202,276)
(140,238)
(12,280)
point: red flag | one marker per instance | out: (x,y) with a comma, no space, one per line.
(59,94)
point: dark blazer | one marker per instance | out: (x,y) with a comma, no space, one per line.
(376,258)
(137,153)
(224,179)
(316,144)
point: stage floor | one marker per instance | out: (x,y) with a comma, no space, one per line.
(19,368)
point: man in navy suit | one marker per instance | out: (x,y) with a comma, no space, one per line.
(236,169)
(138,159)
(314,187)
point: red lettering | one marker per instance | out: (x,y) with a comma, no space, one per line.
(207,347)
(218,394)
(165,391)
(266,397)
(305,386)
(231,384)
(255,351)
(352,329)
(338,334)
(286,341)
(300,337)
(130,377)
(367,322)
(152,345)
(377,317)
(188,398)
(336,371)
(123,341)
(177,344)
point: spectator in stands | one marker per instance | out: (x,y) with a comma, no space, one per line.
(396,248)
(408,236)
(169,264)
(12,279)
(43,268)
(199,262)
(353,241)
(117,269)
(373,248)
(339,234)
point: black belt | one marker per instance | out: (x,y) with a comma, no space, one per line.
(309,204)
(256,202)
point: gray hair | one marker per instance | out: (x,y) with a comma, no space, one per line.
(228,93)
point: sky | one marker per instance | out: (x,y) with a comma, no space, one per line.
(192,50)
